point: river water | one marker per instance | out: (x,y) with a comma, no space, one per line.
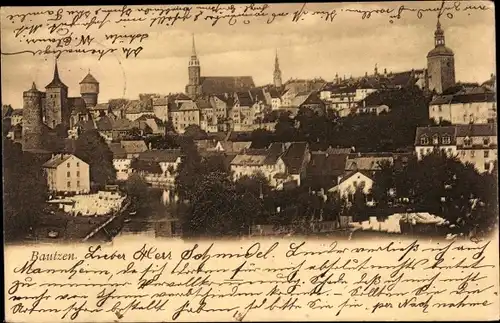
(157,221)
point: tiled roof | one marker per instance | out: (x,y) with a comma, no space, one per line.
(473,95)
(189,105)
(122,124)
(249,159)
(441,99)
(430,132)
(106,123)
(300,98)
(294,156)
(324,164)
(89,79)
(353,173)
(257,94)
(160,101)
(476,130)
(101,106)
(117,150)
(203,103)
(225,84)
(57,160)
(160,155)
(440,51)
(366,163)
(138,106)
(133,146)
(244,99)
(178,97)
(274,93)
(235,146)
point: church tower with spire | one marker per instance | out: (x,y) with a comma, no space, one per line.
(277,72)
(193,89)
(56,102)
(440,64)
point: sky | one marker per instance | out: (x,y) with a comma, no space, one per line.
(310,48)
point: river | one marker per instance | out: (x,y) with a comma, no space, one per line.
(158,221)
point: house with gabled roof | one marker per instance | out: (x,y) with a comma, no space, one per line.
(67,173)
(183,114)
(476,144)
(159,166)
(347,184)
(473,105)
(280,163)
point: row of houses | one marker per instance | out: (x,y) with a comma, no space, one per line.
(466,104)
(476,144)
(292,164)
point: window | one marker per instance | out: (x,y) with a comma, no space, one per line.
(446,140)
(462,152)
(77,164)
(440,109)
(78,174)
(472,153)
(486,153)
(486,141)
(355,184)
(67,165)
(69,184)
(421,151)
(424,141)
(435,140)
(467,141)
(486,166)
(68,174)
(78,184)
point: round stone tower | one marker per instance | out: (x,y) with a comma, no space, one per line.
(32,119)
(89,90)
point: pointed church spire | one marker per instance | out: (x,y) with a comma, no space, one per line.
(277,72)
(56,81)
(193,52)
(33,86)
(56,72)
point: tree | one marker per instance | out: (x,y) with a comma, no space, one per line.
(195,132)
(92,149)
(138,191)
(261,138)
(135,134)
(284,129)
(188,169)
(216,209)
(383,183)
(24,190)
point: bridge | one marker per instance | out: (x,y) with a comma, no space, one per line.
(108,221)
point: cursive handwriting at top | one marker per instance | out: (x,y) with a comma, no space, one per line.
(65,27)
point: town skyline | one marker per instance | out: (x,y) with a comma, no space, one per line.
(222,51)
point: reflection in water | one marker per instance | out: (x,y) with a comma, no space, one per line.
(155,220)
